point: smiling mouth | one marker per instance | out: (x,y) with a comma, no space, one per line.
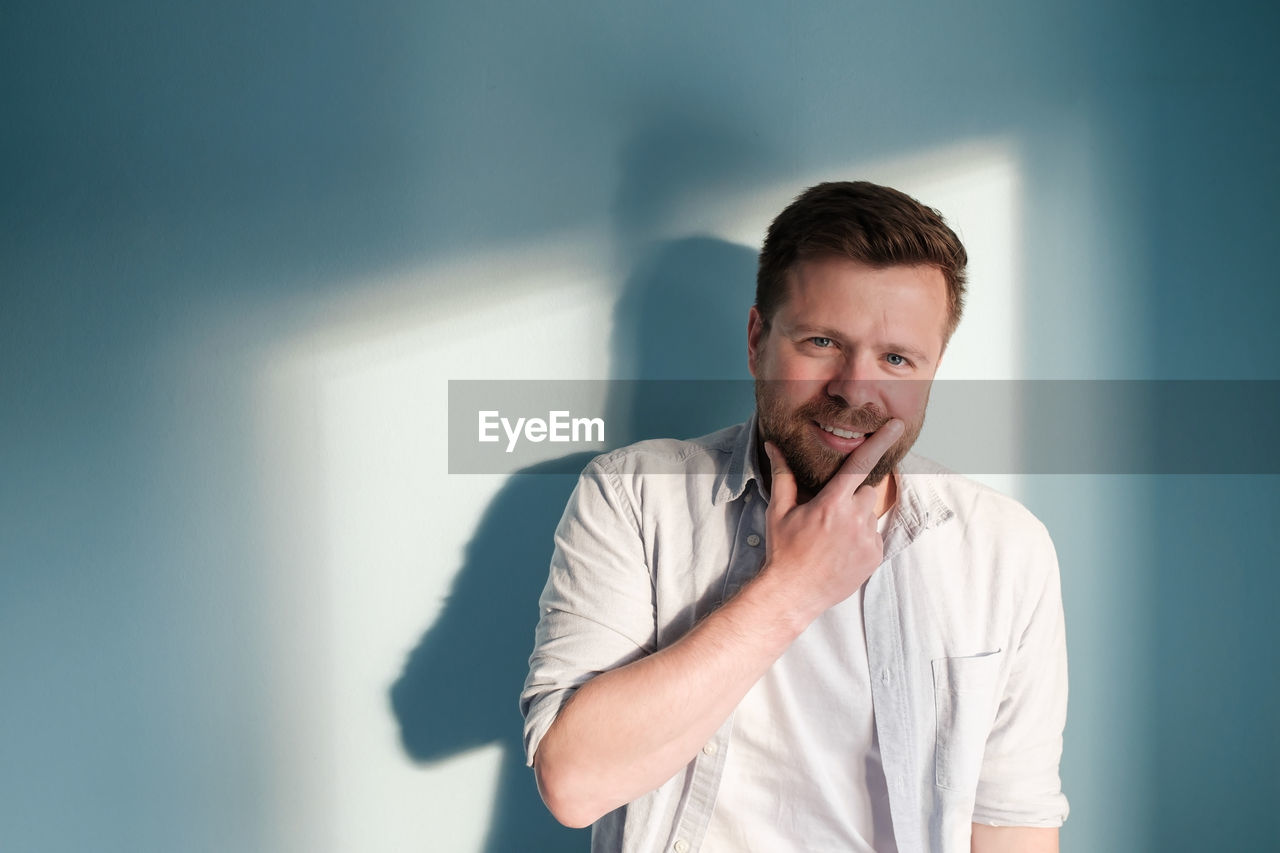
(842,433)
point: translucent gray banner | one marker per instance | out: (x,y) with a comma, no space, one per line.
(972,426)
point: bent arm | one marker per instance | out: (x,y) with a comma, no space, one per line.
(1014,839)
(629,730)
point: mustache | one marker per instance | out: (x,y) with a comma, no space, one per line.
(866,419)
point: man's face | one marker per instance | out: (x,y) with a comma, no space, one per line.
(849,348)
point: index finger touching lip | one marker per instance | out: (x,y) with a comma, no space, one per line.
(865,456)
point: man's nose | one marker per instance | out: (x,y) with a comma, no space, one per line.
(857,384)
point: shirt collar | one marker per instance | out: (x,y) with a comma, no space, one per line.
(919,505)
(743,466)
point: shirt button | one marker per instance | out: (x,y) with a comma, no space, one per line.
(709,749)
(753,540)
(682,846)
(747,498)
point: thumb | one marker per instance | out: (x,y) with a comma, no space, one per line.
(783,490)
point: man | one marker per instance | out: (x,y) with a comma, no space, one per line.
(792,634)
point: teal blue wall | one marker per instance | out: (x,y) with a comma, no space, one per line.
(163,166)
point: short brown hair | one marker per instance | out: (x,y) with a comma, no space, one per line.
(864,222)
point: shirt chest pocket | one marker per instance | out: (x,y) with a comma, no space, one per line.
(964,693)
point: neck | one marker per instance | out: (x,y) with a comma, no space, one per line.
(886,494)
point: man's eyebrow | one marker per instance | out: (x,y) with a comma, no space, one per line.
(818,331)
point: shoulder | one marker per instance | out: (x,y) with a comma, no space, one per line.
(973,503)
(1001,538)
(668,478)
(706,454)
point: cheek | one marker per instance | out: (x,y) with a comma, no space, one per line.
(908,401)
(801,370)
(793,378)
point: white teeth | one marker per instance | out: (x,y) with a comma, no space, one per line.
(841,433)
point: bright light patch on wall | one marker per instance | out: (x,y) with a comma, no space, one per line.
(354,424)
(368,527)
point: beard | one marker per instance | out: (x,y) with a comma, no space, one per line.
(811,461)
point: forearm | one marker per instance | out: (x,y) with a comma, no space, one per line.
(1014,839)
(629,730)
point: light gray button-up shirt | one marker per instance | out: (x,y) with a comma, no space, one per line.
(963,619)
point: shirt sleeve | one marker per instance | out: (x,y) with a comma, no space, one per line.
(1019,784)
(596,612)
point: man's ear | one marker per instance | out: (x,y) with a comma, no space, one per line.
(755,339)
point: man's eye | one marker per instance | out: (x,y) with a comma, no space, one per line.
(822,342)
(896,360)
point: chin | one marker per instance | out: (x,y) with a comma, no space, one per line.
(811,481)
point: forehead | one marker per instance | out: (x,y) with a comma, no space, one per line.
(859,300)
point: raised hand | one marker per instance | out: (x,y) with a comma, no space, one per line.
(828,547)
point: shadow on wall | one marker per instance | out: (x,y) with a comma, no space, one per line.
(684,308)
